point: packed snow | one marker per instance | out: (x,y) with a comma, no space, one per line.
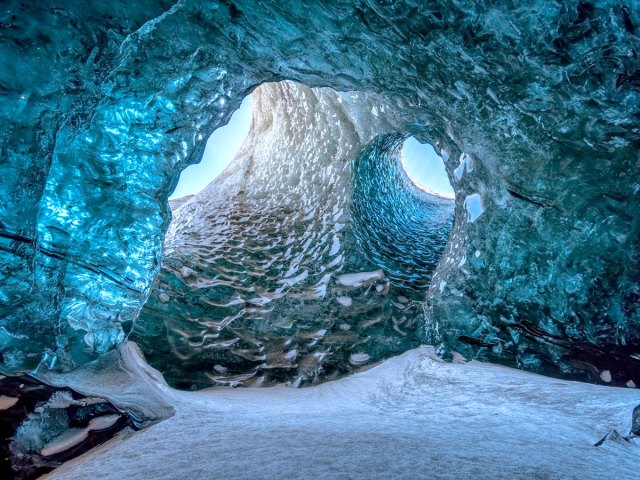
(412,416)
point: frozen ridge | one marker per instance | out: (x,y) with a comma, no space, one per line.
(412,416)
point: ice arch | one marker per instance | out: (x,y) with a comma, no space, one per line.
(256,283)
(535,106)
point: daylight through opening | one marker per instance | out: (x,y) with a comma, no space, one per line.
(222,146)
(425,168)
(308,259)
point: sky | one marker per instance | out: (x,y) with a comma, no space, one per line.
(220,150)
(425,167)
(420,161)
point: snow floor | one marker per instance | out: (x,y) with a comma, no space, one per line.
(412,417)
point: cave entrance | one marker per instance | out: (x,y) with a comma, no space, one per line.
(399,223)
(222,146)
(293,267)
(425,168)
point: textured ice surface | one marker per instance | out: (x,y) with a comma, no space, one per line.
(400,228)
(104,102)
(411,417)
(263,274)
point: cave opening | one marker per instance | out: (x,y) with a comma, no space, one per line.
(299,264)
(222,146)
(91,159)
(425,168)
(309,257)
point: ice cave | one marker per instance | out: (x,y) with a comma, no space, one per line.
(350,239)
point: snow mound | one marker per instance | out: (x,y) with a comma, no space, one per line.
(412,416)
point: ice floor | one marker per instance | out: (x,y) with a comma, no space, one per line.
(410,417)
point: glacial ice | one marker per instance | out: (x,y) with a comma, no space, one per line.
(473,206)
(360,278)
(104,103)
(73,436)
(7,402)
(271,252)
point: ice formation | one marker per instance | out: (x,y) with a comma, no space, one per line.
(104,103)
(273,271)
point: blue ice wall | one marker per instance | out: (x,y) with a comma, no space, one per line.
(536,106)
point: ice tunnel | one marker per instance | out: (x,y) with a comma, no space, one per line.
(533,107)
(307,257)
